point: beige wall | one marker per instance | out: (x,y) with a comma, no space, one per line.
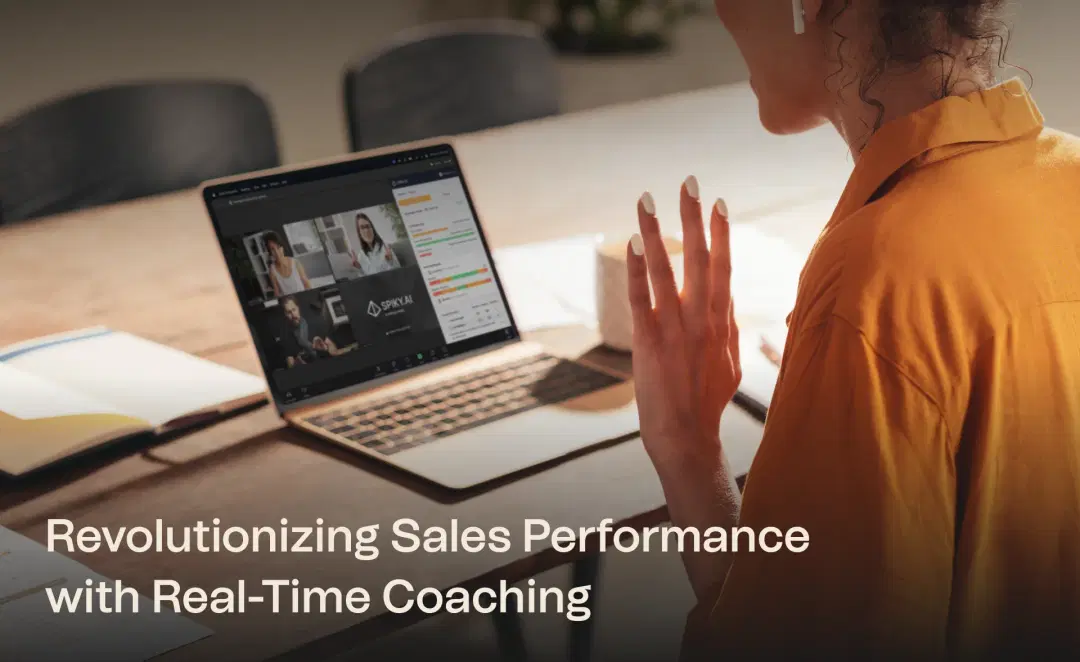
(291,51)
(294,50)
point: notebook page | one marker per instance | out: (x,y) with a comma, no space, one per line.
(30,397)
(141,378)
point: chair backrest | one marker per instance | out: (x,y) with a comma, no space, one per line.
(129,141)
(450,79)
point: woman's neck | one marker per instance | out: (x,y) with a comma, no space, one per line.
(899,95)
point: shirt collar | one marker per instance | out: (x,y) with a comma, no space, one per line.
(941,130)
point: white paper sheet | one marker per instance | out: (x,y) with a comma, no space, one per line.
(138,377)
(551,284)
(764,275)
(554,283)
(31,630)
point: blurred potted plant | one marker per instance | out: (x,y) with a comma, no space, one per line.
(606,26)
(394,214)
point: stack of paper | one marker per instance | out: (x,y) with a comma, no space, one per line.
(31,630)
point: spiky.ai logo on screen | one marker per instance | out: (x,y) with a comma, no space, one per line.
(396,304)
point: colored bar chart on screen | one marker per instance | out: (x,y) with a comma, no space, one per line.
(452,257)
(415,200)
(432,240)
(450,279)
(417,236)
(459,288)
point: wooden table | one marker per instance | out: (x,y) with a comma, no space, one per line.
(152,268)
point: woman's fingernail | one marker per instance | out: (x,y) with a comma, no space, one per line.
(692,187)
(648,204)
(637,245)
(721,208)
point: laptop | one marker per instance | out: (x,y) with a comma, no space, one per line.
(381,323)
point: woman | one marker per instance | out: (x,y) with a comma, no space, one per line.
(375,256)
(925,430)
(287,275)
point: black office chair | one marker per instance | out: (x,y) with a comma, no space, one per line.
(129,141)
(453,78)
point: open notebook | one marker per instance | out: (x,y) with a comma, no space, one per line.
(66,394)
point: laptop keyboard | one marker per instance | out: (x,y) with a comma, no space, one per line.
(413,418)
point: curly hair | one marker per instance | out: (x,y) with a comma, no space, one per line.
(911,32)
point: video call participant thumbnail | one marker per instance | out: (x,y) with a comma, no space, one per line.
(302,332)
(288,259)
(375,256)
(287,274)
(369,241)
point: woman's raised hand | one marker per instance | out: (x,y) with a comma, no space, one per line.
(685,344)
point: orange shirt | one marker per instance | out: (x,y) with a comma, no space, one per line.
(925,430)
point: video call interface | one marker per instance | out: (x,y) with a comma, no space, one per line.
(355,271)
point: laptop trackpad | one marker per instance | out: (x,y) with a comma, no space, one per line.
(499,448)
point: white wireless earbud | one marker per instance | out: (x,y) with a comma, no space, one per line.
(800,16)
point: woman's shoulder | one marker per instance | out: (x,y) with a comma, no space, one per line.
(958,248)
(1060,146)
(891,245)
(889,277)
(958,220)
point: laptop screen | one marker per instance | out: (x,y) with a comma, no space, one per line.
(355,271)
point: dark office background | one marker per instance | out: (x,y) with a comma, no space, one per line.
(294,52)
